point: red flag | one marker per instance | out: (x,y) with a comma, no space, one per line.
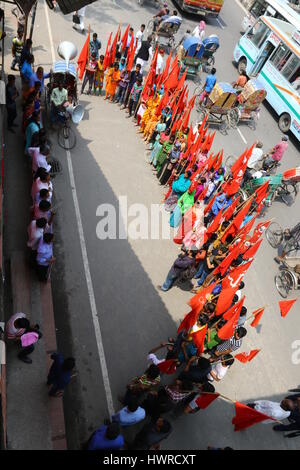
(167,68)
(106,57)
(285,306)
(186,120)
(205,399)
(261,192)
(251,252)
(199,339)
(201,297)
(234,309)
(172,80)
(257,316)
(226,332)
(168,366)
(235,277)
(247,357)
(246,417)
(213,227)
(112,54)
(247,227)
(226,263)
(210,204)
(181,81)
(190,137)
(191,318)
(130,58)
(238,220)
(259,230)
(238,163)
(125,37)
(225,299)
(162,104)
(84,56)
(230,210)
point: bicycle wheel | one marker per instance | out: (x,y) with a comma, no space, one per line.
(288,194)
(229,162)
(274,234)
(66,138)
(284,283)
(233,118)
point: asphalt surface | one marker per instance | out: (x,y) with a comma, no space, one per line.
(110,161)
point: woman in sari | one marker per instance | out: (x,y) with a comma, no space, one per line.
(161,138)
(169,164)
(164,152)
(151,106)
(184,203)
(179,187)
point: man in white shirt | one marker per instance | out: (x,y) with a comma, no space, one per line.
(160,61)
(220,369)
(278,411)
(35,232)
(256,155)
(139,38)
(39,157)
(45,256)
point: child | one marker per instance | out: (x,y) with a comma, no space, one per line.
(112,79)
(99,76)
(135,96)
(123,84)
(89,73)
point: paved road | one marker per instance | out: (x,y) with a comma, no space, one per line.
(110,161)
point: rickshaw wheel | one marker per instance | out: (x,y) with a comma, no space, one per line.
(66,138)
(288,194)
(229,162)
(274,234)
(224,127)
(284,283)
(233,117)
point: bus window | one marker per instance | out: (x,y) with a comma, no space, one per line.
(281,56)
(258,33)
(291,69)
(258,8)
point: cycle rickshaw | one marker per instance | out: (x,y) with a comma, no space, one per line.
(288,278)
(196,55)
(164,34)
(248,103)
(65,73)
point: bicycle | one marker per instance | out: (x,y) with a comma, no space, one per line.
(66,136)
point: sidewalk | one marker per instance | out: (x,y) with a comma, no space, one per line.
(34,421)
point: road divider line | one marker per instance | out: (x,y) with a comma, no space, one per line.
(220,24)
(87,271)
(242,137)
(241,6)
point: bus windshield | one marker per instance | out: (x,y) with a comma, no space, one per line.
(258,33)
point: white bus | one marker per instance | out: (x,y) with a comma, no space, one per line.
(270,51)
(276,8)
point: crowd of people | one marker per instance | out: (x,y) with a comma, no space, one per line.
(214,227)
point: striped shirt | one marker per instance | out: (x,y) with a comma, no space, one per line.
(175,394)
(11,331)
(231,344)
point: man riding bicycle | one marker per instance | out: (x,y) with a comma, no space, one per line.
(277,152)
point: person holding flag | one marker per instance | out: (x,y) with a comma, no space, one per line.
(112,79)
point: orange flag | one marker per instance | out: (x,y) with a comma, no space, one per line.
(225,299)
(261,192)
(199,339)
(246,417)
(84,56)
(235,277)
(226,332)
(215,223)
(259,230)
(232,255)
(201,297)
(172,80)
(181,81)
(247,357)
(285,306)
(112,54)
(257,316)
